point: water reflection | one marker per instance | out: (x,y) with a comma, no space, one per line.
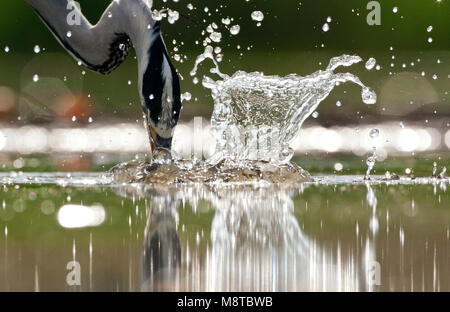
(255,244)
(333,234)
(161,255)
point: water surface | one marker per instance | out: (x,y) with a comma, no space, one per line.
(338,233)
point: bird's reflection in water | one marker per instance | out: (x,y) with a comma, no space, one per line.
(255,244)
(161,255)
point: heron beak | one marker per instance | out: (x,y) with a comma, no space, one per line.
(158,142)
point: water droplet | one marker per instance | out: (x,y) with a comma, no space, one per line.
(186,96)
(173,16)
(234,30)
(338,104)
(129,82)
(216,36)
(151,97)
(37,49)
(326,27)
(329,19)
(6,49)
(226,21)
(374,133)
(370,64)
(74,118)
(69,34)
(257,16)
(315,115)
(368,96)
(90,120)
(429,28)
(395,9)
(36,78)
(430,40)
(157,15)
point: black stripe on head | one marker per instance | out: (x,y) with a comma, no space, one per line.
(153,83)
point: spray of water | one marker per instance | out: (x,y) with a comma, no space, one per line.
(254,121)
(256,117)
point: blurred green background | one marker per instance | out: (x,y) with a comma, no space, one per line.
(289,40)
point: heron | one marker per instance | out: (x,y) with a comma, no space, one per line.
(104,46)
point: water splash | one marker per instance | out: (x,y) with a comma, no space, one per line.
(207,54)
(166,170)
(256,117)
(434,170)
(370,162)
(442,174)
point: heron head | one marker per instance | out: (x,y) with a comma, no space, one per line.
(162,96)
